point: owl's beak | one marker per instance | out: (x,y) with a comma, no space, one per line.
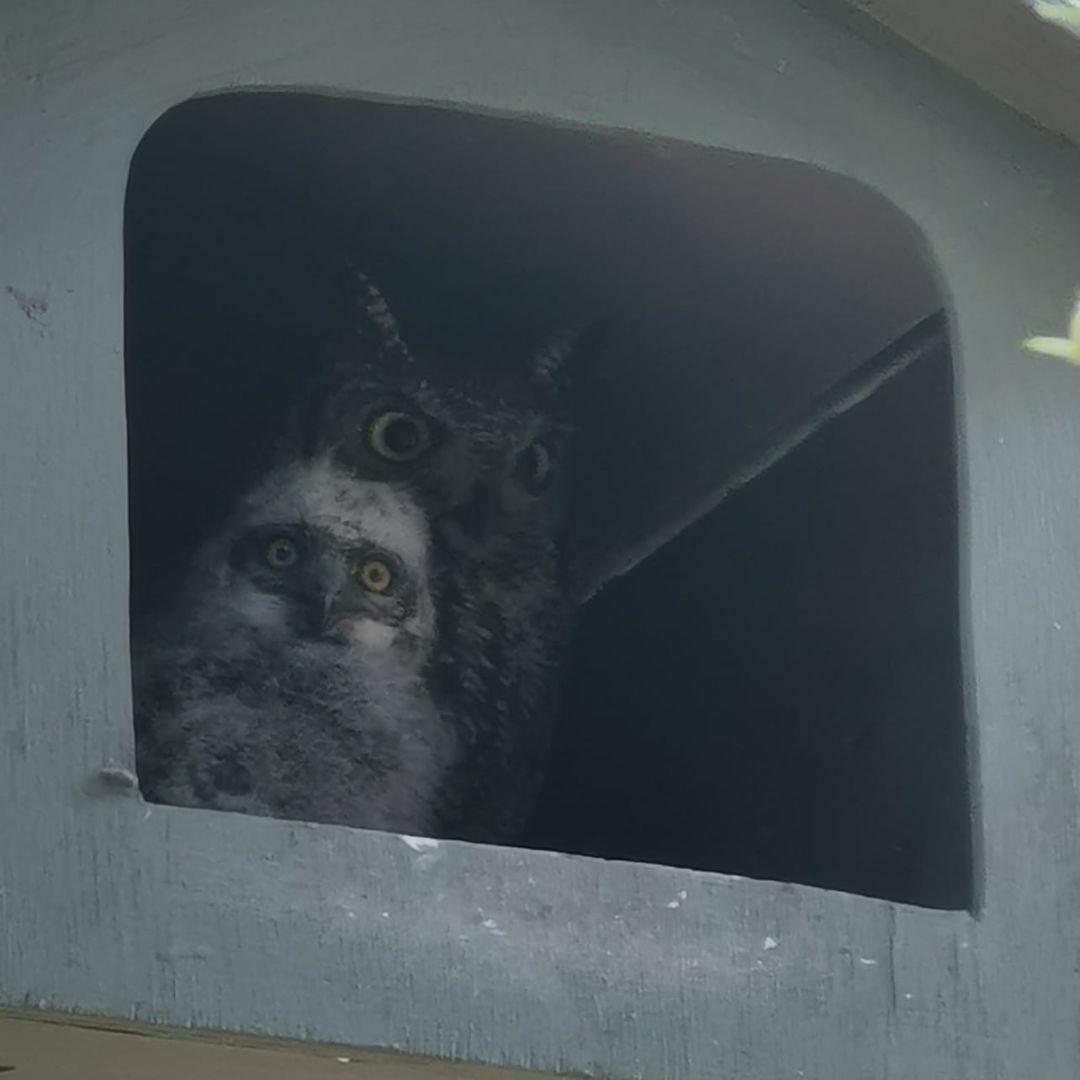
(474,514)
(318,611)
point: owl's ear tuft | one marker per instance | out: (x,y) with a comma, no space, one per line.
(370,344)
(375,326)
(555,363)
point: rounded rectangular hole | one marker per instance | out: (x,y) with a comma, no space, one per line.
(774,690)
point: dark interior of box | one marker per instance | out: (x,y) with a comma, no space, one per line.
(776,691)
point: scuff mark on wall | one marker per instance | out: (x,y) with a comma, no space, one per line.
(32,305)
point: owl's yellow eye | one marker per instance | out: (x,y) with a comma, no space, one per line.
(281,553)
(374,575)
(398,436)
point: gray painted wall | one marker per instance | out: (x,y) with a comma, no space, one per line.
(528,959)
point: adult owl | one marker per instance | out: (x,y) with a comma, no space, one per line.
(289,675)
(485,449)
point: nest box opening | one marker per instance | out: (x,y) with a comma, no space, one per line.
(769,681)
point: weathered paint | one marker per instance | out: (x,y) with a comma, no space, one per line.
(317,933)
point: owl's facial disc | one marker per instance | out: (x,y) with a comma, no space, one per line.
(327,584)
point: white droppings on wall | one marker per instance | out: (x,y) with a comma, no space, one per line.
(420,843)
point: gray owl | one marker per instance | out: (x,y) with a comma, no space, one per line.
(289,676)
(485,450)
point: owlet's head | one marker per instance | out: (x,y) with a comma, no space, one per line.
(315,556)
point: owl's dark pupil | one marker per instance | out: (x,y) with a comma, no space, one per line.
(281,553)
(402,436)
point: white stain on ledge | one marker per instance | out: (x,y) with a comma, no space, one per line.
(770,943)
(493,926)
(867,962)
(420,843)
(673,904)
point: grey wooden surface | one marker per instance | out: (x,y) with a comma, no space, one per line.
(528,959)
(1001,45)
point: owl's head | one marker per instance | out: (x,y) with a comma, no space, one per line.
(484,447)
(313,555)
